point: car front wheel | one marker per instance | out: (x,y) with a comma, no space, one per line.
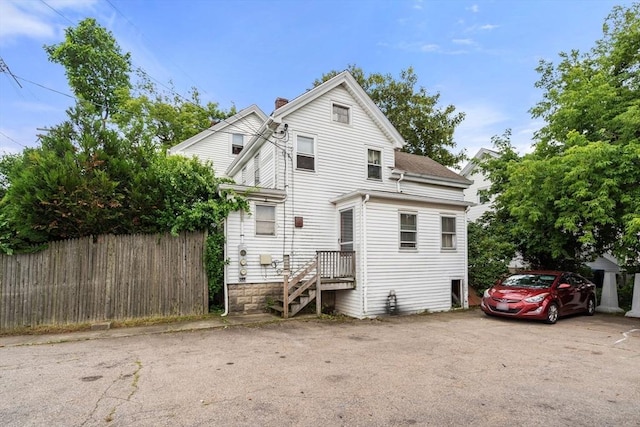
(552,313)
(591,306)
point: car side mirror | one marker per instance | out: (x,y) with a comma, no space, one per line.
(564,286)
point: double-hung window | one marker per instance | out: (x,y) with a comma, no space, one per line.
(408,230)
(237,143)
(340,114)
(448,232)
(374,164)
(256,170)
(265,220)
(305,153)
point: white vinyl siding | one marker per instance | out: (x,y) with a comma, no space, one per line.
(215,146)
(448,226)
(420,278)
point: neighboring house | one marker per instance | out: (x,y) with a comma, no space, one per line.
(480,182)
(332,195)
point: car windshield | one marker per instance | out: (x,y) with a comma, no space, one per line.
(529,280)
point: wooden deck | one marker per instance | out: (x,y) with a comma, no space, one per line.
(327,271)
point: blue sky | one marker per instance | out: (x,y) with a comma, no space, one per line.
(479,55)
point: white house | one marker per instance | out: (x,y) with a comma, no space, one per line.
(333,197)
(480,182)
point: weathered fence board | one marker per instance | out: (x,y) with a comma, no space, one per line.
(104,278)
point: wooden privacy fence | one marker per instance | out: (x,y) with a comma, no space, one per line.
(104,278)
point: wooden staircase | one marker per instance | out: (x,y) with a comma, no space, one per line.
(328,270)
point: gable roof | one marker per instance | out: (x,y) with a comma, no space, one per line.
(273,121)
(426,168)
(221,125)
(353,87)
(481,154)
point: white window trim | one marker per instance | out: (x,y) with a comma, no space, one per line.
(400,231)
(349,113)
(455,233)
(275,220)
(231,136)
(315,152)
(256,169)
(366,154)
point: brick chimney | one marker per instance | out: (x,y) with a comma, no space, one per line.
(281,102)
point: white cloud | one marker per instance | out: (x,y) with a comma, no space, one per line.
(474,8)
(482,121)
(466,42)
(476,28)
(34,19)
(418,4)
(19,22)
(429,48)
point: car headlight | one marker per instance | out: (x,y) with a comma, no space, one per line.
(537,298)
(486,293)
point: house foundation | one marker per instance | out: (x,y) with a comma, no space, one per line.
(248,298)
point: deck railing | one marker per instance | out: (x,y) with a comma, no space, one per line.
(337,264)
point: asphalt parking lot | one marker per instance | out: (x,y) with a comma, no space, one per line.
(458,368)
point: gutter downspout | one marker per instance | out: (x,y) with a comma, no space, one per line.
(364,254)
(226,266)
(398,183)
(226,287)
(465,293)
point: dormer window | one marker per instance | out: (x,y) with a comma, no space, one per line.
(340,114)
(237,143)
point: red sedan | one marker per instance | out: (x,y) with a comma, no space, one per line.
(540,295)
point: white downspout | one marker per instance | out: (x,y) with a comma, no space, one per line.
(465,293)
(226,286)
(226,266)
(398,183)
(364,254)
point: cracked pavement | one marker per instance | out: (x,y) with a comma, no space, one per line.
(458,368)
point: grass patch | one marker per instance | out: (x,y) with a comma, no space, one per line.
(80,327)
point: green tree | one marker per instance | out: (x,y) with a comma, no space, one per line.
(426,128)
(163,119)
(576,195)
(105,168)
(96,69)
(489,252)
